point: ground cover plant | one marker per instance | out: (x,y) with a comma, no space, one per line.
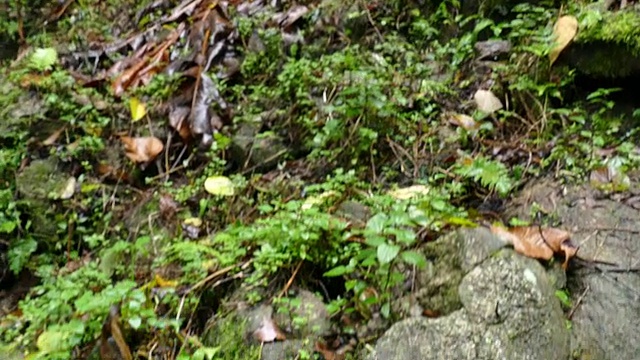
(162,162)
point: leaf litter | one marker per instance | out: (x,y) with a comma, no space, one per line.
(538,242)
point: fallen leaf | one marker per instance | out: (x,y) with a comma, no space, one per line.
(219,185)
(164,283)
(487,102)
(191,227)
(178,120)
(609,178)
(409,192)
(69,189)
(138,109)
(317,200)
(537,242)
(323,349)
(142,149)
(168,207)
(464,121)
(53,137)
(564,30)
(268,331)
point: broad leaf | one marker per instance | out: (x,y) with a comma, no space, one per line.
(387,252)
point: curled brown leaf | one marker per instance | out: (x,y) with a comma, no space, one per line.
(142,149)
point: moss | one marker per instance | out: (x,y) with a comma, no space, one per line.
(229,334)
(607,44)
(620,27)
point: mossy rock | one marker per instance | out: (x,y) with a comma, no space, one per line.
(37,185)
(607,44)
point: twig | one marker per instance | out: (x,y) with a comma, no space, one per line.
(293,276)
(214,275)
(578,302)
(370,18)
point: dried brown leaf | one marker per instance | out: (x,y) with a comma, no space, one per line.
(178,120)
(142,149)
(565,30)
(54,137)
(268,331)
(537,242)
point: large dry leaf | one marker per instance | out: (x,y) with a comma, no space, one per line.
(537,242)
(142,149)
(487,102)
(564,30)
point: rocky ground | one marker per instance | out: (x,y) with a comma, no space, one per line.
(308,180)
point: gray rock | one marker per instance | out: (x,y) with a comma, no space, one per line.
(606,319)
(607,315)
(492,49)
(450,257)
(251,148)
(304,317)
(508,310)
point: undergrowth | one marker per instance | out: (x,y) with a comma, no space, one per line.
(369,116)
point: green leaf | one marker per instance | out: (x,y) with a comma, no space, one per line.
(387,252)
(377,223)
(135,322)
(44,59)
(413,258)
(337,271)
(51,341)
(375,240)
(564,298)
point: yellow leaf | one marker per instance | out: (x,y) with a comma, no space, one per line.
(219,185)
(164,283)
(409,192)
(564,30)
(193,221)
(138,109)
(317,200)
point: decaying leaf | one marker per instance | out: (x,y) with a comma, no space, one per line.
(537,242)
(178,119)
(487,102)
(564,30)
(142,149)
(268,331)
(219,185)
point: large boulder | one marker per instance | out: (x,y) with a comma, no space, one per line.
(508,310)
(606,298)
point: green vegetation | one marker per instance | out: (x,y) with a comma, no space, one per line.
(356,112)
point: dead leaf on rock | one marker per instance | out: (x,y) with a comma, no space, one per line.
(142,149)
(537,242)
(268,331)
(464,121)
(487,102)
(564,30)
